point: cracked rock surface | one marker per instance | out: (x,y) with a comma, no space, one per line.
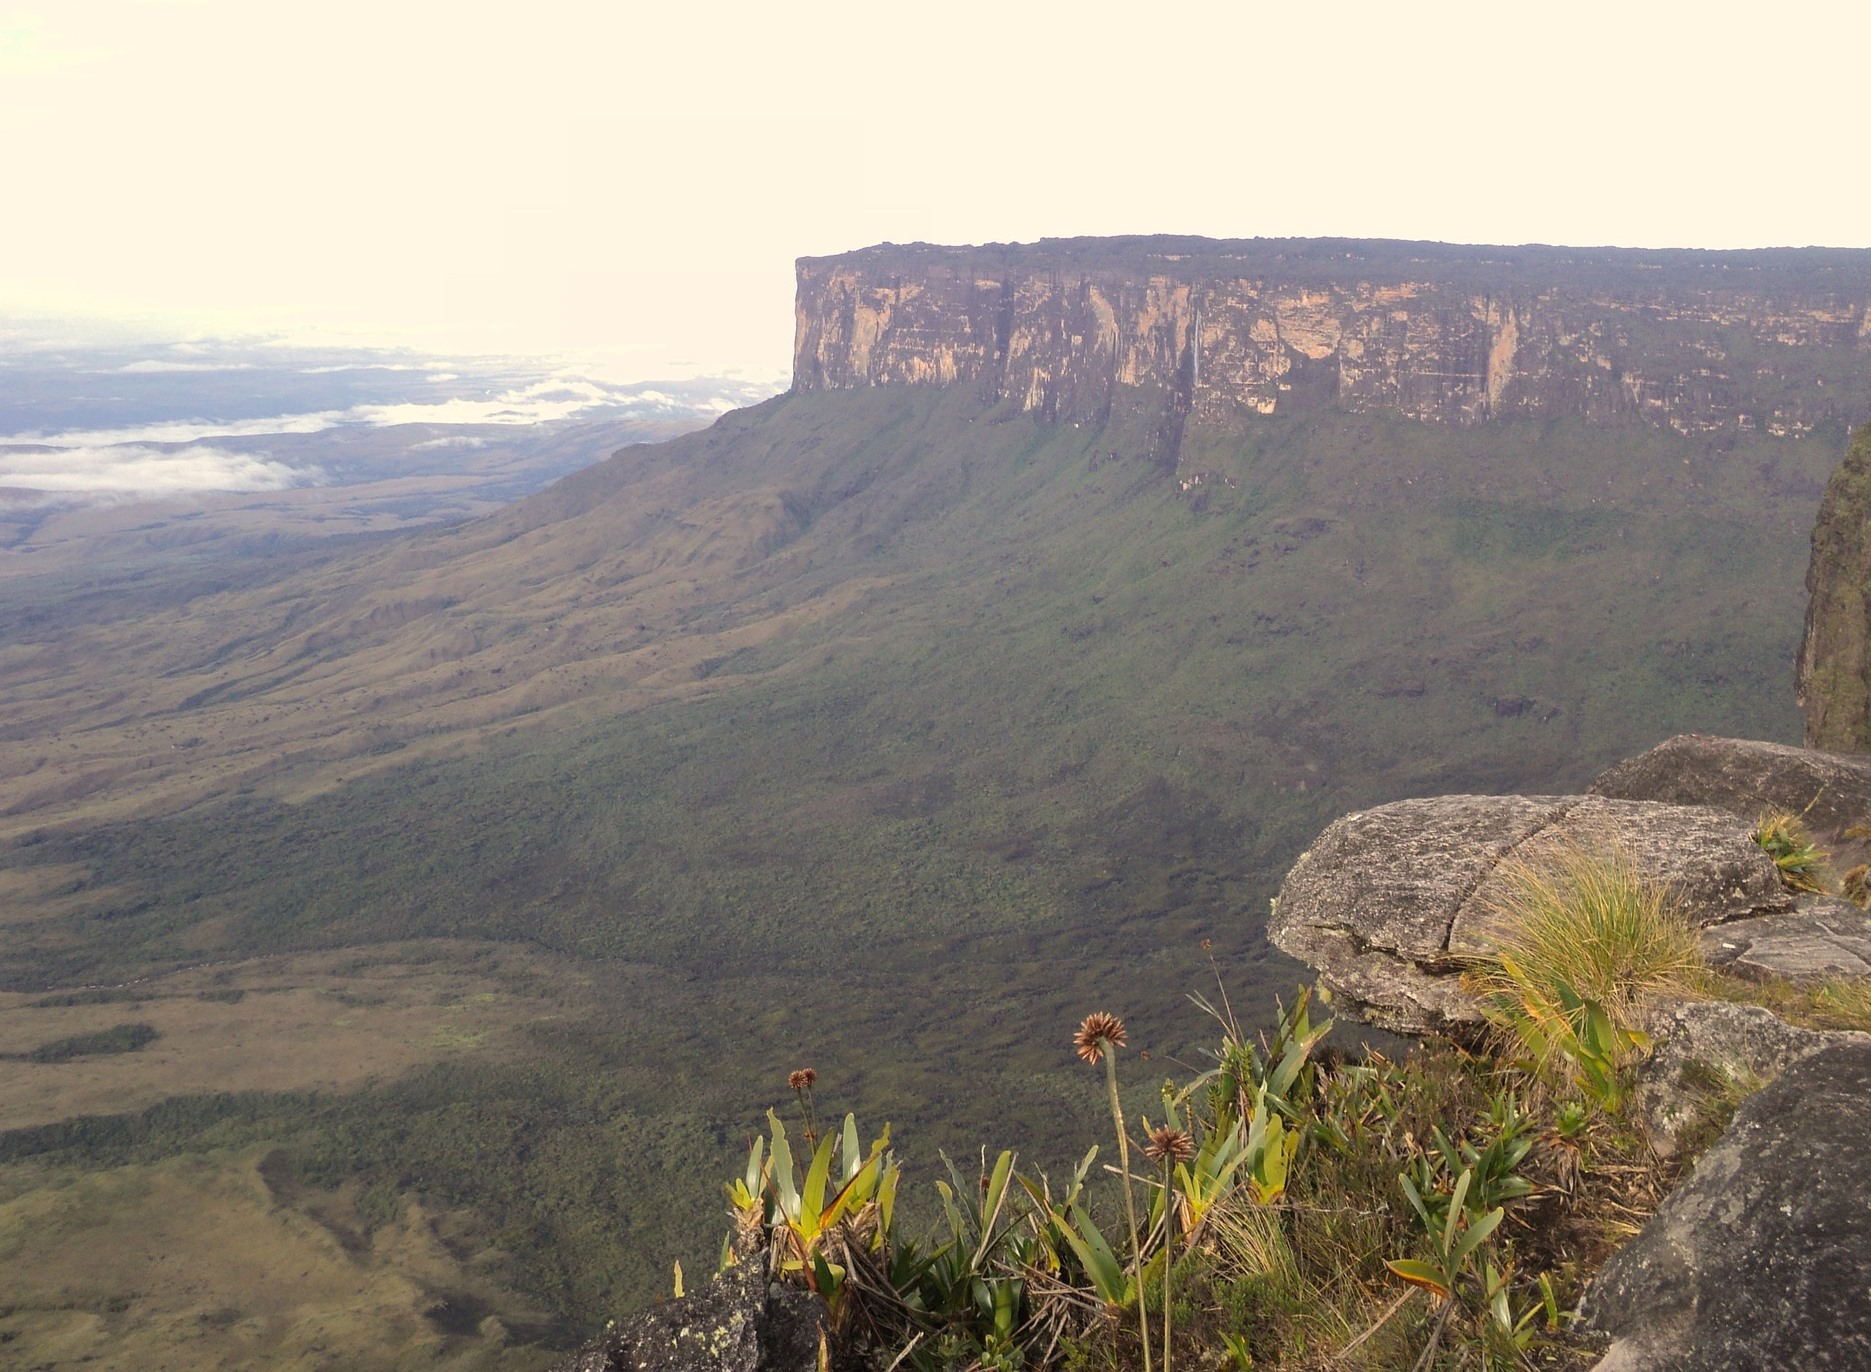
(1820,938)
(1390,902)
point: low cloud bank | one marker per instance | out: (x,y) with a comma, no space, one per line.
(132,469)
(542,402)
(174,456)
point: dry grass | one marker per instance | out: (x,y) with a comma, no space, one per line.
(1841,1003)
(1589,919)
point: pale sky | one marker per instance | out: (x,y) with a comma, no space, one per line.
(557,176)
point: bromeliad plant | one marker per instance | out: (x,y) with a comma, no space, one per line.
(816,1228)
(1787,841)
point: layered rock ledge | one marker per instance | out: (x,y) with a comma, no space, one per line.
(1075,329)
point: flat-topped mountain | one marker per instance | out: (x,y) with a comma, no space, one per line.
(1774,341)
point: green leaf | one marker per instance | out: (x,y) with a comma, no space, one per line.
(1416,1201)
(756,1168)
(991,1203)
(1095,1255)
(812,1200)
(854,1156)
(887,1199)
(1476,1232)
(852,1195)
(1455,1210)
(1418,1273)
(785,1187)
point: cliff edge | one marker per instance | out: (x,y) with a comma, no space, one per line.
(1834,672)
(1077,329)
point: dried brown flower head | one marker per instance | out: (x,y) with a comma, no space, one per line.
(801,1079)
(1174,1144)
(1207,944)
(1101,1030)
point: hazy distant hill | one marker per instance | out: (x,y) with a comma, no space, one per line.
(892,722)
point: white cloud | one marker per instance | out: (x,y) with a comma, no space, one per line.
(359,367)
(184,430)
(457,441)
(132,468)
(157,364)
(560,397)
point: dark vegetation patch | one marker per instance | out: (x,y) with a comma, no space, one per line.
(119,1038)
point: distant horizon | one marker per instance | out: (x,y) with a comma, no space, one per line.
(96,325)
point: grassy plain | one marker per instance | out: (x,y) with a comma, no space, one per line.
(199,1261)
(886,733)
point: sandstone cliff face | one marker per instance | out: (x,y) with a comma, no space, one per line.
(1778,341)
(1834,674)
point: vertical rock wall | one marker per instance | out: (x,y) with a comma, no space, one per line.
(1776,341)
(1834,674)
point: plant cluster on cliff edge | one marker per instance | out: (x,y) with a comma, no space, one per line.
(1296,1207)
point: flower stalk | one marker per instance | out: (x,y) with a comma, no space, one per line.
(1098,1039)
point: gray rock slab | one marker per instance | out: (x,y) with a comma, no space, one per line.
(1389,903)
(1745,777)
(1820,938)
(1698,1045)
(1762,1258)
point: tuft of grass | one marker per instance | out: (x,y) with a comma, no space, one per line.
(1588,919)
(1788,842)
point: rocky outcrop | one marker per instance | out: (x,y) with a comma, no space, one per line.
(1762,1258)
(1079,329)
(1833,679)
(1390,903)
(1745,777)
(736,1323)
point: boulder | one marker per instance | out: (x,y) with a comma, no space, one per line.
(737,1323)
(1391,902)
(1745,777)
(1761,1258)
(1705,1050)
(1822,937)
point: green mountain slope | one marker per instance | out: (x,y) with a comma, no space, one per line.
(891,731)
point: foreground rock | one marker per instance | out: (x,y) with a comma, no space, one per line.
(1390,903)
(737,1323)
(1708,1050)
(1745,777)
(1762,1258)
